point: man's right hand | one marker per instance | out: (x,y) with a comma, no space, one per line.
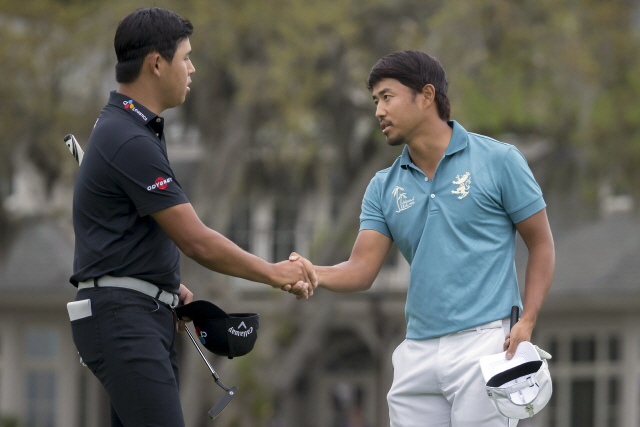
(296,277)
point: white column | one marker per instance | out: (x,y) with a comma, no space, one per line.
(11,386)
(262,229)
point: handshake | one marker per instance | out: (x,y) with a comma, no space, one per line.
(297,276)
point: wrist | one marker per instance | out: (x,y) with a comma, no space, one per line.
(320,274)
(271,274)
(529,321)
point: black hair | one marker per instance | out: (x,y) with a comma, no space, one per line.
(145,31)
(415,70)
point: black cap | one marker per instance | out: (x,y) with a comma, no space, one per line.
(230,335)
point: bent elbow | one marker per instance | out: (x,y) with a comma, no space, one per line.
(193,250)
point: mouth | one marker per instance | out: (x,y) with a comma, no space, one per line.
(385,127)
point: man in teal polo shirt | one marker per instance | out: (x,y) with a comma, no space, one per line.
(452,203)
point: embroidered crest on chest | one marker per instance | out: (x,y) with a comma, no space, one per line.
(464,183)
(402,200)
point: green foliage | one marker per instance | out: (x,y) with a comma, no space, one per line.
(9,421)
(292,72)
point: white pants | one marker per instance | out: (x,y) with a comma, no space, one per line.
(438,382)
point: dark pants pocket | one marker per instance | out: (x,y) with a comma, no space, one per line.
(86,337)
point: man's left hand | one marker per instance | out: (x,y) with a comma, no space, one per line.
(521,332)
(186,296)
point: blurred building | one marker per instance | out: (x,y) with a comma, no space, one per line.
(325,362)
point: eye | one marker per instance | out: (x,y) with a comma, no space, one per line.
(386,97)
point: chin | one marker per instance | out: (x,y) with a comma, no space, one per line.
(394,142)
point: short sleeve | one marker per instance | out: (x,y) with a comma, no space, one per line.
(521,194)
(372,217)
(142,171)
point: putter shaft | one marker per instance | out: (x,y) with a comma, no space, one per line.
(213,372)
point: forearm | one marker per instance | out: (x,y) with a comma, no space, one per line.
(217,253)
(538,277)
(346,277)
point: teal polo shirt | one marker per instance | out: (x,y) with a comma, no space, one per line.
(456,231)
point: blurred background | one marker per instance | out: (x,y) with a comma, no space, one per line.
(275,145)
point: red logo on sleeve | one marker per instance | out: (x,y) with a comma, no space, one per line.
(161,183)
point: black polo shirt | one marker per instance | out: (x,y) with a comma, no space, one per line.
(124,177)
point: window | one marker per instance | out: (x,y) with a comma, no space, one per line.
(239,229)
(583,349)
(41,392)
(43,344)
(582,403)
(587,375)
(284,224)
(42,353)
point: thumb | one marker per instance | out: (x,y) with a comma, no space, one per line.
(294,256)
(513,344)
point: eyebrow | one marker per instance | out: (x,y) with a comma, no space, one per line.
(381,92)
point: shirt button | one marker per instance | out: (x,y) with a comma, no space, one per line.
(426,178)
(157,134)
(158,120)
(433,196)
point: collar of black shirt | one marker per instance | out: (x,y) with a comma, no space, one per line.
(138,111)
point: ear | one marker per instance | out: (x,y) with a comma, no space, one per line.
(429,94)
(152,63)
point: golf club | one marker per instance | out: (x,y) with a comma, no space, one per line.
(74,147)
(77,152)
(222,403)
(515,314)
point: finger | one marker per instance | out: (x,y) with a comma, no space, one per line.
(304,295)
(286,288)
(305,276)
(188,298)
(507,340)
(300,288)
(513,344)
(294,256)
(295,288)
(311,271)
(181,326)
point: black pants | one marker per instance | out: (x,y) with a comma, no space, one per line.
(128,343)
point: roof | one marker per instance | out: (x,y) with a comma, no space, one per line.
(598,263)
(38,260)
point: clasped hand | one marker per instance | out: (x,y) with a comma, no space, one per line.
(298,276)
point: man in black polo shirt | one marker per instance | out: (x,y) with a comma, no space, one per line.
(130,218)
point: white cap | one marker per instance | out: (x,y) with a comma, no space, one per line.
(519,387)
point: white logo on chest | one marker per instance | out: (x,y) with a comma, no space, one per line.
(463,182)
(401,199)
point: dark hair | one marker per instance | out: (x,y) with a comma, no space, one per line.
(415,70)
(144,31)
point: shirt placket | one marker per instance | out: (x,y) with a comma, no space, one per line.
(428,184)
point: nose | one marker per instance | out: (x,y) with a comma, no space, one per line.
(192,69)
(380,111)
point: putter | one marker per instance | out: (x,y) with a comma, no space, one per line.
(74,147)
(226,399)
(76,150)
(515,314)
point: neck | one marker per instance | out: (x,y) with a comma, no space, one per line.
(142,92)
(427,148)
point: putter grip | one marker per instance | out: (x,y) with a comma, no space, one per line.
(515,314)
(74,147)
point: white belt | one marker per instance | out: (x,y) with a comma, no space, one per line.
(132,283)
(491,325)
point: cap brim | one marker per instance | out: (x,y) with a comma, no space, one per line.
(494,364)
(200,309)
